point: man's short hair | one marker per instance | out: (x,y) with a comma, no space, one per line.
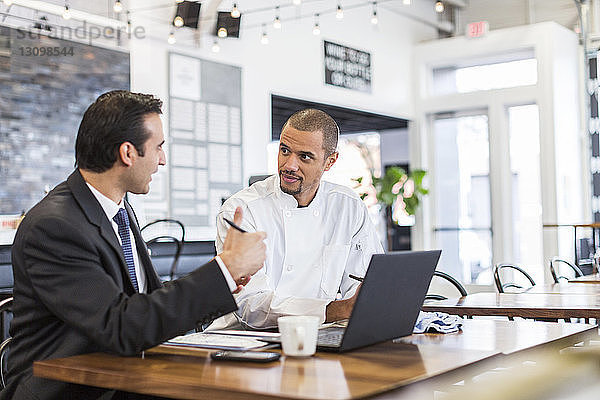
(114,118)
(313,120)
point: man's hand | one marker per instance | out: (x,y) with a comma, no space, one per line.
(243,253)
(341,309)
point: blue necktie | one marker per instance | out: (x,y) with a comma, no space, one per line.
(122,220)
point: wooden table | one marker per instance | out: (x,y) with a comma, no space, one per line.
(565,288)
(509,337)
(189,374)
(586,279)
(593,226)
(524,305)
(371,371)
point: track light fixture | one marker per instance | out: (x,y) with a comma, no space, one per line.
(66,12)
(178,21)
(439,7)
(215,47)
(222,32)
(277,21)
(172,39)
(374,18)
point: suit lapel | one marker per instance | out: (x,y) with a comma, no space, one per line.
(96,216)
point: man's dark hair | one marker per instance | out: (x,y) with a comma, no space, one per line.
(114,118)
(313,120)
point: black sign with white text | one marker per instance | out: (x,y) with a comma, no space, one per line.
(346,67)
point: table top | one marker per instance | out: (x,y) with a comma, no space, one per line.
(507,336)
(526,305)
(586,279)
(190,373)
(576,225)
(565,288)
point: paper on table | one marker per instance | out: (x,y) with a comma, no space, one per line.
(206,340)
(252,334)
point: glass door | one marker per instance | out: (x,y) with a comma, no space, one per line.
(461,194)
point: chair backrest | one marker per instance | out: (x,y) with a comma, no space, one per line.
(5,312)
(502,286)
(555,265)
(161,231)
(461,289)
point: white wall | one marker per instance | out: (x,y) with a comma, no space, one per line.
(291,65)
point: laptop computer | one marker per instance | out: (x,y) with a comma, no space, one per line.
(389,301)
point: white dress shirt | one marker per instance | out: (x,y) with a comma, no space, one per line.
(310,251)
(111,209)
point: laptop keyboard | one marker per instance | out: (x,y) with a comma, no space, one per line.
(330,337)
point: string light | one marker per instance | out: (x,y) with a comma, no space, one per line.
(439,7)
(222,32)
(374,19)
(264,39)
(128,29)
(339,13)
(178,21)
(66,12)
(118,7)
(316,28)
(235,13)
(215,47)
(277,21)
(172,39)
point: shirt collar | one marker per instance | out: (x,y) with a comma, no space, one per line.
(290,202)
(110,207)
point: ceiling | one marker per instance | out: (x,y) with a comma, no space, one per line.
(349,120)
(499,13)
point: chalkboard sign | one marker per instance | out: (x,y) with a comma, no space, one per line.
(346,67)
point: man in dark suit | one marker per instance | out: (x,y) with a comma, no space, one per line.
(83,280)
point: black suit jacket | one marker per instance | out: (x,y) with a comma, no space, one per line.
(73,295)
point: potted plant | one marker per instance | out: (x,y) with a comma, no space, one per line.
(397,191)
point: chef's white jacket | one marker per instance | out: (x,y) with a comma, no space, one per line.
(310,251)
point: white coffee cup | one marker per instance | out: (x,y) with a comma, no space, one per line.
(298,334)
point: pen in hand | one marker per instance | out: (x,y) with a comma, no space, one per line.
(234,226)
(356,278)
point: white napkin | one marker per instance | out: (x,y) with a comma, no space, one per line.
(437,322)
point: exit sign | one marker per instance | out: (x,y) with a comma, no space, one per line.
(477,29)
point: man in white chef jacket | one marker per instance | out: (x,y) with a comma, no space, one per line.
(317,232)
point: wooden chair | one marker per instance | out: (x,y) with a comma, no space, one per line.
(555,264)
(157,234)
(5,311)
(501,287)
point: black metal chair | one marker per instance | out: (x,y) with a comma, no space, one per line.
(452,280)
(5,314)
(501,287)
(159,232)
(555,264)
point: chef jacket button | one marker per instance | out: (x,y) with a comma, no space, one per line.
(290,267)
(288,213)
(316,213)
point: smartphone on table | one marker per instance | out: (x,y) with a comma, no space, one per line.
(238,355)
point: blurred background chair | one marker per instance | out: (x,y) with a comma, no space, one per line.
(516,280)
(5,317)
(556,270)
(165,239)
(445,277)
